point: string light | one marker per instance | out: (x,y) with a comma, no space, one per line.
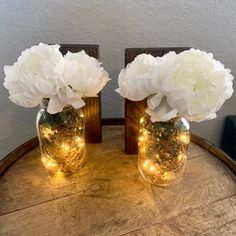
(65,147)
(180,157)
(47,133)
(141,138)
(162,150)
(142,120)
(184,138)
(152,168)
(146,163)
(145,132)
(62,146)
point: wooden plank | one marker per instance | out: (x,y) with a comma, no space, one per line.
(134,110)
(13,156)
(204,220)
(117,206)
(219,153)
(92,110)
(108,196)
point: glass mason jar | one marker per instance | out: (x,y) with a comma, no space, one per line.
(61,139)
(162,149)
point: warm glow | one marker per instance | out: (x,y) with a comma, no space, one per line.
(152,168)
(184,138)
(65,147)
(81,144)
(142,120)
(47,133)
(165,175)
(145,132)
(50,164)
(146,163)
(141,138)
(180,157)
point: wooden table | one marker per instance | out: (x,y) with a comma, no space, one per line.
(108,196)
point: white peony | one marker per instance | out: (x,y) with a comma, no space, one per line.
(84,77)
(36,74)
(140,78)
(196,85)
(191,84)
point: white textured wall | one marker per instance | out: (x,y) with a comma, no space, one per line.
(114,25)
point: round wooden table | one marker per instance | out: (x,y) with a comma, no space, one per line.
(108,196)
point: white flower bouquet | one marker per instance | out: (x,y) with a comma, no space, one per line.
(42,72)
(191,84)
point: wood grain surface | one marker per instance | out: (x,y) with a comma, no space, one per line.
(92,110)
(134,109)
(108,196)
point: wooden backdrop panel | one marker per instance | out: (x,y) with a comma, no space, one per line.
(92,110)
(135,110)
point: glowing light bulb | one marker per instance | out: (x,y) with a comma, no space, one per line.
(47,133)
(184,138)
(180,157)
(146,163)
(167,176)
(152,168)
(141,120)
(145,132)
(50,164)
(81,144)
(78,139)
(141,138)
(65,147)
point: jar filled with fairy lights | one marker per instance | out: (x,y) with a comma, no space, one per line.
(61,139)
(163,150)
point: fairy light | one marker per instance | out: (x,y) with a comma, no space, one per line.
(180,157)
(47,133)
(145,132)
(162,150)
(81,144)
(65,147)
(184,138)
(141,120)
(166,176)
(50,164)
(141,138)
(152,168)
(146,163)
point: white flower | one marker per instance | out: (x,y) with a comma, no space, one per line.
(84,77)
(140,78)
(37,74)
(196,85)
(191,84)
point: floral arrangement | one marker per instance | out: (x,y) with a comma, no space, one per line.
(191,84)
(42,72)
